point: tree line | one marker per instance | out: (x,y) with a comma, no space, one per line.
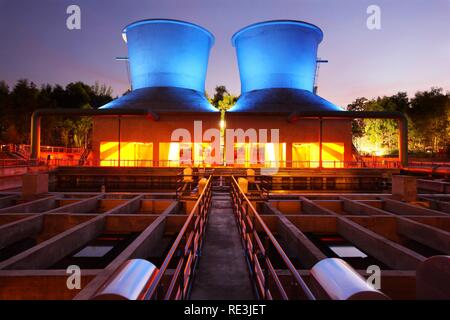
(18,103)
(428,114)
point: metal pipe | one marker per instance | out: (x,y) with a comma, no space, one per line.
(403,140)
(400,117)
(341,282)
(119,147)
(320,142)
(128,282)
(38,114)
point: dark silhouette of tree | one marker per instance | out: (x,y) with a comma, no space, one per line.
(430,114)
(222,99)
(18,104)
(357,124)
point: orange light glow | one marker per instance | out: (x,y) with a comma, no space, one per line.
(307,155)
(260,154)
(181,154)
(132,154)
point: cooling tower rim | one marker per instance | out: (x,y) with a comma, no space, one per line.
(281,100)
(298,23)
(167,21)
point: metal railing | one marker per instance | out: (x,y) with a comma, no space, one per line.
(246,164)
(263,273)
(12,163)
(25,149)
(186,249)
(429,164)
(368,164)
(18,163)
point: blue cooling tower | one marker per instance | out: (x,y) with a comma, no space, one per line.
(168,60)
(277,66)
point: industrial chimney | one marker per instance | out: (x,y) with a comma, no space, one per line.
(167,61)
(277,65)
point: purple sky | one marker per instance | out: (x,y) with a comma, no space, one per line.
(411,51)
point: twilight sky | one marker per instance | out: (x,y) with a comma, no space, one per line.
(411,51)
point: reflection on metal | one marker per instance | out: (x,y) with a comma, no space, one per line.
(129,281)
(341,282)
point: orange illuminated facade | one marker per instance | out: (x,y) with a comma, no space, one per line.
(145,142)
(168,75)
(307,155)
(130,154)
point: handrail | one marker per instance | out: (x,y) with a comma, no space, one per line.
(383,164)
(188,245)
(255,249)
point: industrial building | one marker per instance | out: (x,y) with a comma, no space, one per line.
(148,217)
(277,64)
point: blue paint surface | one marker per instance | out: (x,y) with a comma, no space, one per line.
(284,100)
(277,54)
(277,66)
(168,53)
(163,99)
(168,60)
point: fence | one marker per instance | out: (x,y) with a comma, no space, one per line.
(186,248)
(263,273)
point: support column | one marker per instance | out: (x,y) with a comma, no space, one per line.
(403,141)
(320,142)
(35,137)
(289,159)
(119,138)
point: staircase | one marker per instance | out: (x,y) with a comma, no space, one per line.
(84,156)
(357,157)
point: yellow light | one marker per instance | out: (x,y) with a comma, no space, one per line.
(270,156)
(131,154)
(174,151)
(308,155)
(109,153)
(222,124)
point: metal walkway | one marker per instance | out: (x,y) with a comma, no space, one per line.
(222,271)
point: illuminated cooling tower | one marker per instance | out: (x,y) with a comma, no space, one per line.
(168,60)
(277,66)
